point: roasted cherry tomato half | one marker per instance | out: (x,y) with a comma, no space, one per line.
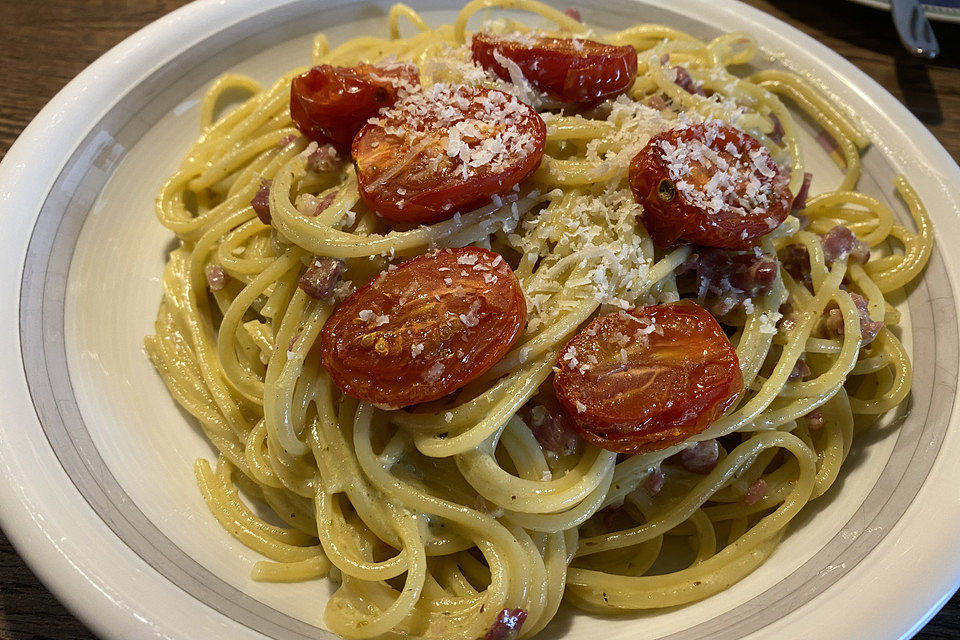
(446,150)
(642,380)
(566,69)
(330,104)
(709,184)
(425,329)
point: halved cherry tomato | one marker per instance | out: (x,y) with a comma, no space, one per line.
(567,69)
(330,104)
(642,380)
(445,150)
(425,329)
(710,184)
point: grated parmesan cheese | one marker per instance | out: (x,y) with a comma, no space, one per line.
(471,319)
(768,322)
(434,373)
(369,316)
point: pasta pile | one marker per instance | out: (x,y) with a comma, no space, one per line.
(436,520)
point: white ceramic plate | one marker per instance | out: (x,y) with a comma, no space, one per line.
(945,10)
(96,489)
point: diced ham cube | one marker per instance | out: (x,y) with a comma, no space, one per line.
(777,136)
(507,625)
(800,370)
(311,207)
(869,328)
(827,142)
(657,101)
(727,279)
(814,419)
(800,201)
(320,278)
(654,482)
(216,278)
(789,320)
(261,202)
(552,428)
(700,458)
(608,515)
(683,79)
(796,262)
(755,492)
(840,242)
(324,159)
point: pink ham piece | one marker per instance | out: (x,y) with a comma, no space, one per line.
(755,492)
(573,13)
(608,515)
(311,207)
(321,277)
(654,482)
(814,419)
(796,261)
(727,279)
(683,79)
(746,272)
(700,458)
(325,203)
(827,142)
(789,320)
(657,101)
(869,328)
(261,202)
(800,370)
(756,276)
(778,132)
(840,242)
(216,278)
(507,625)
(324,159)
(552,429)
(800,201)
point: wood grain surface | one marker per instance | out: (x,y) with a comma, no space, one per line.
(47,42)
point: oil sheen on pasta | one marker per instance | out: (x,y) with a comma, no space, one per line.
(433,521)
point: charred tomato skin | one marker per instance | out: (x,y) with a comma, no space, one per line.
(649,388)
(569,70)
(424,329)
(404,179)
(669,215)
(330,104)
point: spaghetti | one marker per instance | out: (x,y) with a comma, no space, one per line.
(475,515)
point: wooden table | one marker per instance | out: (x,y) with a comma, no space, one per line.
(48,42)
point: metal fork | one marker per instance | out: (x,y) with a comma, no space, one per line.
(914,29)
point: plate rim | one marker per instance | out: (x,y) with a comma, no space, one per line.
(114,71)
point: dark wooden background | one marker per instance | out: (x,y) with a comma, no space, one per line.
(47,42)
